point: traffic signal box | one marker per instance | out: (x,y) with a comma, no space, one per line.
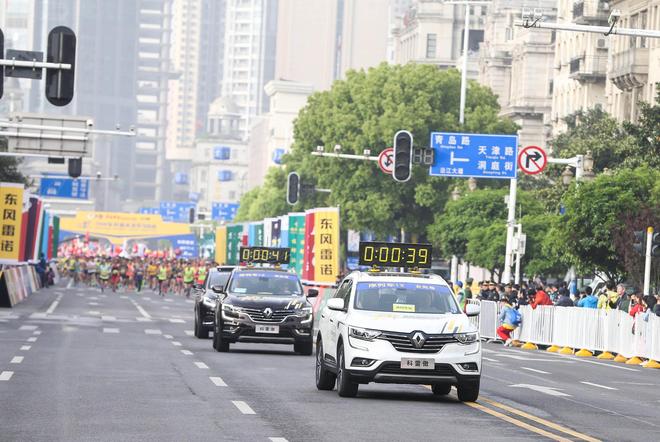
(403,145)
(640,243)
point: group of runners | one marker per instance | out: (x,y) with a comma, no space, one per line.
(165,276)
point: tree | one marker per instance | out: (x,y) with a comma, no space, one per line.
(267,200)
(595,232)
(9,172)
(646,133)
(364,111)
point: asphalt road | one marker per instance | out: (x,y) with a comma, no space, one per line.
(76,364)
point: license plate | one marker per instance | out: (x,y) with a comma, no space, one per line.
(271,329)
(418,363)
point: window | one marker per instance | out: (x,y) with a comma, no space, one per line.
(431,43)
(344,291)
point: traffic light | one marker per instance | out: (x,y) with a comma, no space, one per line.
(191,215)
(2,68)
(655,245)
(75,167)
(60,82)
(292,188)
(403,144)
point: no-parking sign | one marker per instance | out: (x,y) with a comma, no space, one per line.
(532,160)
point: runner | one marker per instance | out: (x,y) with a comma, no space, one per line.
(139,275)
(162,278)
(104,274)
(188,278)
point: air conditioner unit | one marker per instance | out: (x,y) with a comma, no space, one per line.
(601,43)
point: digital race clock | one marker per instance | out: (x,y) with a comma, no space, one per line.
(265,255)
(381,254)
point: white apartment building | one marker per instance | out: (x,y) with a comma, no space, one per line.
(272,134)
(516,63)
(431,32)
(249,55)
(219,171)
(17,24)
(634,68)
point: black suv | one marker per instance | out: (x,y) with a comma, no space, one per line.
(264,305)
(206,296)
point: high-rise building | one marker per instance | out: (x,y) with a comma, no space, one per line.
(16,22)
(516,63)
(249,55)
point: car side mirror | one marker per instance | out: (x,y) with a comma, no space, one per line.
(472,310)
(198,286)
(218,288)
(336,304)
(312,293)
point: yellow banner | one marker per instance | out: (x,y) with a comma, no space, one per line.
(118,227)
(11,216)
(221,245)
(326,245)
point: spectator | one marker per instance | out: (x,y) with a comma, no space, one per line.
(656,309)
(484,293)
(563,300)
(649,303)
(624,298)
(541,297)
(637,304)
(509,319)
(608,298)
(464,294)
(521,299)
(590,300)
(552,292)
(494,293)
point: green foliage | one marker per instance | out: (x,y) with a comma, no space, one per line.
(594,219)
(9,171)
(267,200)
(541,256)
(646,133)
(486,246)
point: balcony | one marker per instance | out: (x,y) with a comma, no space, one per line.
(591,12)
(588,68)
(630,68)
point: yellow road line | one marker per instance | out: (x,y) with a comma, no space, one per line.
(517,422)
(541,421)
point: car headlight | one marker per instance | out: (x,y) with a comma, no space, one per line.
(363,333)
(209,302)
(467,338)
(230,311)
(304,312)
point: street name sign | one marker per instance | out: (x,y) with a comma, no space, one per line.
(465,155)
(532,160)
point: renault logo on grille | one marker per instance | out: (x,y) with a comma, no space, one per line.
(268,313)
(418,339)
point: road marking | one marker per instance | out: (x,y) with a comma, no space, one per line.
(36,332)
(146,298)
(26,347)
(190,301)
(552,391)
(142,311)
(535,370)
(151,331)
(94,312)
(6,375)
(108,318)
(28,327)
(606,365)
(168,300)
(189,332)
(598,385)
(176,343)
(217,380)
(123,297)
(539,420)
(187,352)
(32,339)
(489,359)
(526,358)
(16,360)
(93,303)
(277,439)
(201,365)
(93,298)
(243,407)
(141,319)
(177,321)
(54,305)
(165,307)
(110,330)
(168,336)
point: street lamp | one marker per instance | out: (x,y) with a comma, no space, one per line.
(566,176)
(472,184)
(588,166)
(455,194)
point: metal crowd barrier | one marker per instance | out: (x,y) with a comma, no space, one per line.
(599,330)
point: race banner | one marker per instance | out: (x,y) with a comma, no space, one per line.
(284,231)
(268,232)
(234,242)
(11,220)
(296,240)
(326,245)
(275,232)
(308,258)
(221,245)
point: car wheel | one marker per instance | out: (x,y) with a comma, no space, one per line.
(196,327)
(218,343)
(200,331)
(325,380)
(468,391)
(441,389)
(345,387)
(304,348)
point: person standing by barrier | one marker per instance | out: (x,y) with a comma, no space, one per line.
(608,299)
(624,302)
(564,300)
(509,320)
(540,297)
(590,300)
(637,305)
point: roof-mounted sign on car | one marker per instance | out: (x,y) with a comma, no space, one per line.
(382,254)
(265,255)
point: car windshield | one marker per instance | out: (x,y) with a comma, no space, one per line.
(405,297)
(265,283)
(217,278)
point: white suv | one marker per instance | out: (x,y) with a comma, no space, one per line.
(397,328)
